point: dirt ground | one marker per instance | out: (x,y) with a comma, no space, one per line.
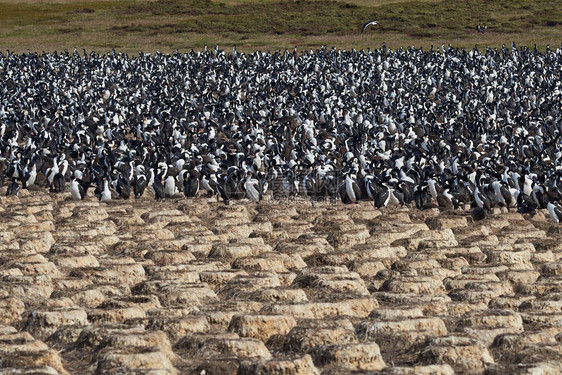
(197,287)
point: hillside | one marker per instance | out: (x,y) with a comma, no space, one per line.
(167,25)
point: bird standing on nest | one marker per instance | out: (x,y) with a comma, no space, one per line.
(367,24)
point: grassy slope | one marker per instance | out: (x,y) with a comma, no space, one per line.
(166,25)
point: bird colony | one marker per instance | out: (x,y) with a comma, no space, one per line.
(445,127)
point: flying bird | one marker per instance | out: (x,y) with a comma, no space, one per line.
(367,24)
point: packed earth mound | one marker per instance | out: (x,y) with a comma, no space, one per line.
(196,286)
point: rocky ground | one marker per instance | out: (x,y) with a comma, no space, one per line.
(192,286)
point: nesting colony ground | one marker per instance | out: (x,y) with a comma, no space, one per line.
(182,286)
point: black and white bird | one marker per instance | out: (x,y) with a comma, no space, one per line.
(555,211)
(421,197)
(158,188)
(51,172)
(209,184)
(29,176)
(478,213)
(446,201)
(388,195)
(170,188)
(481,200)
(58,183)
(190,184)
(76,190)
(139,181)
(122,187)
(350,191)
(251,185)
(104,194)
(13,188)
(367,24)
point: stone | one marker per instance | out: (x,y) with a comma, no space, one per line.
(471,254)
(463,354)
(128,274)
(65,335)
(180,326)
(304,249)
(219,278)
(274,262)
(512,259)
(297,366)
(119,309)
(439,223)
(242,285)
(83,261)
(368,269)
(145,359)
(174,272)
(486,325)
(43,323)
(520,277)
(29,289)
(185,286)
(314,333)
(444,369)
(430,305)
(401,334)
(279,294)
(19,350)
(336,279)
(396,313)
(30,370)
(515,342)
(261,327)
(348,236)
(11,309)
(220,366)
(351,356)
(37,242)
(88,298)
(223,344)
(414,284)
(357,307)
(230,251)
(177,292)
(135,338)
(552,269)
(476,291)
(168,257)
(92,335)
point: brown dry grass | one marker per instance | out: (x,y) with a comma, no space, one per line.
(167,25)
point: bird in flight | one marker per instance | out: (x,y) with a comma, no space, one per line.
(367,24)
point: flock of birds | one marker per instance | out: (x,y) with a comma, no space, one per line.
(443,128)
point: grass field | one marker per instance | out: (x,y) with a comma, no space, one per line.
(167,25)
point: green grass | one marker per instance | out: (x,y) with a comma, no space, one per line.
(166,25)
